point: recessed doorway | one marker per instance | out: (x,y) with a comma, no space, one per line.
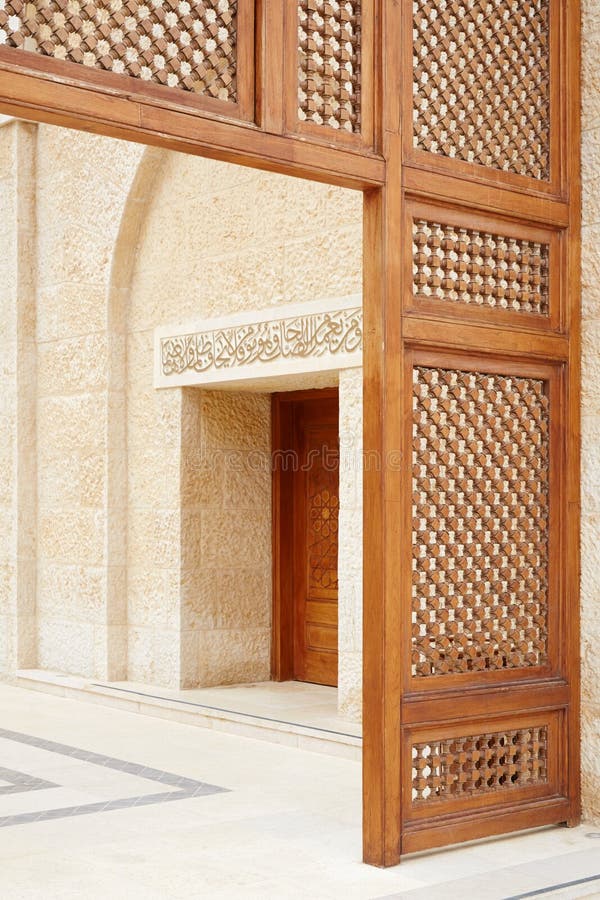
(305,536)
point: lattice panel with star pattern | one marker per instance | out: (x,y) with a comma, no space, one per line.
(473,266)
(458,767)
(185,44)
(480,522)
(329,63)
(323,514)
(481,72)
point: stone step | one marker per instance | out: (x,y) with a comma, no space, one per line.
(187,712)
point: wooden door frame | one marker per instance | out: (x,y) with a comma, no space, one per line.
(389,173)
(282,627)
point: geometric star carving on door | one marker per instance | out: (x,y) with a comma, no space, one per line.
(323,543)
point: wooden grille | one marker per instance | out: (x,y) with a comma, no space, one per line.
(329,34)
(323,512)
(182,44)
(466,766)
(481,72)
(466,265)
(480,522)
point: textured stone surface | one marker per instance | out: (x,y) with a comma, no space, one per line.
(81,590)
(17,396)
(233,657)
(350,545)
(225,537)
(590,489)
(203,452)
(152,515)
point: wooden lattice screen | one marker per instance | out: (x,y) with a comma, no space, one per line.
(459,121)
(488,704)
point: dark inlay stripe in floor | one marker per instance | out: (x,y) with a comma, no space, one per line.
(186,788)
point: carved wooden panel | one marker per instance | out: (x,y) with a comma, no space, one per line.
(323,514)
(481,72)
(472,266)
(480,522)
(185,44)
(329,63)
(457,767)
(313,518)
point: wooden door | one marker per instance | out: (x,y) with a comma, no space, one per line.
(307,541)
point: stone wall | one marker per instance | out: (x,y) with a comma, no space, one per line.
(79,210)
(120,557)
(17,397)
(216,239)
(590,495)
(350,545)
(226,537)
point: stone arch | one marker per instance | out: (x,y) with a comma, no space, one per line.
(123,264)
(265,240)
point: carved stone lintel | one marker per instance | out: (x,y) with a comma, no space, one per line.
(234,348)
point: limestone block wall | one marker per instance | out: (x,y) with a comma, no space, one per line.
(350,545)
(126,562)
(17,396)
(216,239)
(82,183)
(590,582)
(226,537)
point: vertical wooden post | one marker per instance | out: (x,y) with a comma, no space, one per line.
(572,92)
(384,502)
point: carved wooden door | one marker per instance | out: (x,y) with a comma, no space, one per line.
(305,536)
(315,548)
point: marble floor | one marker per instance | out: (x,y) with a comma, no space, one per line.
(288,702)
(291,713)
(98,802)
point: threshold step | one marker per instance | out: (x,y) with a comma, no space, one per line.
(221,709)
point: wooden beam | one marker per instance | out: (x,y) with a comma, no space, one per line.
(31,95)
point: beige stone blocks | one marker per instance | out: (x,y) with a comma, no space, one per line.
(8,583)
(154,656)
(75,593)
(153,538)
(225,537)
(73,423)
(590,432)
(74,535)
(265,245)
(235,421)
(269,240)
(233,656)
(152,510)
(153,598)
(67,646)
(350,686)
(74,366)
(80,443)
(17,395)
(236,535)
(225,598)
(590,741)
(70,309)
(350,545)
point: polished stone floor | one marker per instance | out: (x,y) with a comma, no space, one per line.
(98,802)
(291,713)
(292,702)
